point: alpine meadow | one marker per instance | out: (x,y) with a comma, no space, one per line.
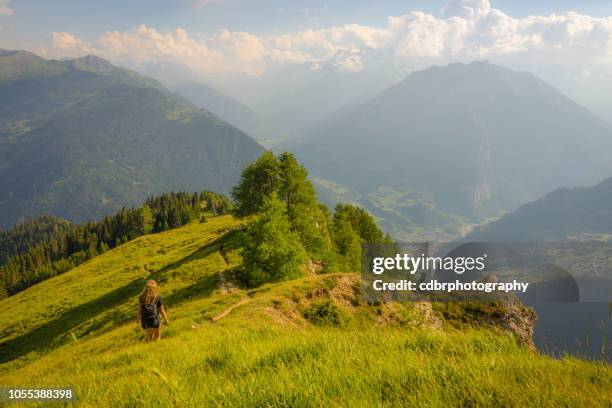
(224,203)
(250,319)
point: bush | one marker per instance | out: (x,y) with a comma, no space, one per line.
(326,313)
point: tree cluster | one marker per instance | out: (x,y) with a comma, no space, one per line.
(290,232)
(30,233)
(45,252)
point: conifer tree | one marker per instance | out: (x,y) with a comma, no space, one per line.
(348,245)
(258,181)
(306,216)
(272,252)
(145,217)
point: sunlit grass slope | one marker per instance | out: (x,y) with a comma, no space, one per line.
(101,293)
(77,330)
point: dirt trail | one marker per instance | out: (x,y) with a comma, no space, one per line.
(227,287)
(224,285)
(227,311)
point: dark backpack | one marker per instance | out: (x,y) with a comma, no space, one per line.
(149,310)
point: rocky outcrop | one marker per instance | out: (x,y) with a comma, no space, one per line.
(341,294)
(507,314)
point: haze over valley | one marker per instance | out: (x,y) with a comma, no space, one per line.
(436,121)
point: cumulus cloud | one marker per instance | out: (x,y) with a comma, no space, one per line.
(70,46)
(465,29)
(467,8)
(5,10)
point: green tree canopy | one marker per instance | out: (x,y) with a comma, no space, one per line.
(348,245)
(272,251)
(362,222)
(352,227)
(145,218)
(259,180)
(290,226)
(286,178)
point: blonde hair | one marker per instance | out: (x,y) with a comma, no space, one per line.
(149,293)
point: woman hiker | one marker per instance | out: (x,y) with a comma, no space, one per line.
(150,306)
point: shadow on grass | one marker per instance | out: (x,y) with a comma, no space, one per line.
(48,335)
(202,288)
(207,285)
(55,332)
(227,241)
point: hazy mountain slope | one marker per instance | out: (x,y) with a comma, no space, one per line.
(409,216)
(230,110)
(566,212)
(296,97)
(478,138)
(82,138)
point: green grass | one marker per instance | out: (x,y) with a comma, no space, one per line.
(101,293)
(77,330)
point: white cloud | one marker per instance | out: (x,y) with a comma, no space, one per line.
(5,10)
(466,8)
(70,46)
(464,30)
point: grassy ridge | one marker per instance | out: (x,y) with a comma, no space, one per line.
(101,293)
(256,356)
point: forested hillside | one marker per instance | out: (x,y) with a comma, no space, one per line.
(82,138)
(289,232)
(231,111)
(30,233)
(45,247)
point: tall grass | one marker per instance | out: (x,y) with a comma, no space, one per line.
(247,363)
(77,330)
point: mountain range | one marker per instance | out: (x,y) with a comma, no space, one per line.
(231,111)
(464,140)
(82,138)
(297,97)
(565,213)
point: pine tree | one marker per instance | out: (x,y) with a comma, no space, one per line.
(362,222)
(348,244)
(145,218)
(272,252)
(295,189)
(306,216)
(258,180)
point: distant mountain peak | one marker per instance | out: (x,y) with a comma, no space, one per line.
(477,137)
(345,61)
(93,63)
(82,138)
(473,67)
(10,53)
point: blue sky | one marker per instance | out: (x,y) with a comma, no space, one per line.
(224,37)
(35,20)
